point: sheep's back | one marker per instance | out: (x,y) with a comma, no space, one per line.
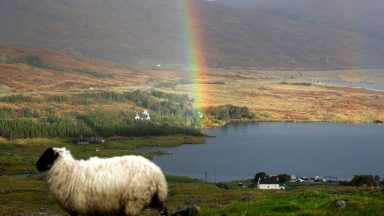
(106,183)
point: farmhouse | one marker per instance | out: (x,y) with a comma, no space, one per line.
(143,116)
(268,183)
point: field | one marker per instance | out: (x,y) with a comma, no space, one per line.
(296,95)
(29,195)
(273,95)
(22,192)
(42,88)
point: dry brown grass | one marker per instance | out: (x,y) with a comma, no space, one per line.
(277,94)
(28,79)
(263,91)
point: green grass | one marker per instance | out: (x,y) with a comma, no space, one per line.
(24,194)
(21,195)
(307,202)
(172,179)
(30,195)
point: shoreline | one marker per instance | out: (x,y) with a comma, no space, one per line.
(375,122)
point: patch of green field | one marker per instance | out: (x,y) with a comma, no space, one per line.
(22,195)
(20,156)
(22,192)
(306,200)
(28,195)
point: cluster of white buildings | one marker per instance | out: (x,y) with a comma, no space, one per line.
(143,115)
(272,183)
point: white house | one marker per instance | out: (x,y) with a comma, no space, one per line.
(268,183)
(146,115)
(137,117)
(143,116)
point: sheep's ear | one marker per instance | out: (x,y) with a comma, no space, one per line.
(46,160)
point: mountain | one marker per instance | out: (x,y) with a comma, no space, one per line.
(283,34)
(364,17)
(121,30)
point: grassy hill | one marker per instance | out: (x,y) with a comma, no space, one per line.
(61,72)
(45,80)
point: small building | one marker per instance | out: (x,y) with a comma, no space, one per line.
(301,180)
(143,116)
(89,140)
(137,117)
(268,183)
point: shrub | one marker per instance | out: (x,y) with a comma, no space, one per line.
(260,175)
(359,180)
(284,177)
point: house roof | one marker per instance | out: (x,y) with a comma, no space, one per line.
(142,115)
(268,180)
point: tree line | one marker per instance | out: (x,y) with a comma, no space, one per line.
(28,128)
(170,114)
(230,112)
(124,124)
(16,98)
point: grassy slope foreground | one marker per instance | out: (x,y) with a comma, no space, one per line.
(22,192)
(25,194)
(30,196)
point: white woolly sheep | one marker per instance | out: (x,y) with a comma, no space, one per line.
(123,185)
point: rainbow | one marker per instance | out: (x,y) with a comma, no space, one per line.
(349,51)
(194,49)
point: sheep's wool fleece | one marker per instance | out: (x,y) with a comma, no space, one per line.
(126,183)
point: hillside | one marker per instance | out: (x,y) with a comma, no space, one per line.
(67,83)
(261,34)
(61,72)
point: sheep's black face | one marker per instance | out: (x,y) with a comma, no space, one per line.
(46,160)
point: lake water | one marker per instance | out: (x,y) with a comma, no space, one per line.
(238,151)
(373,86)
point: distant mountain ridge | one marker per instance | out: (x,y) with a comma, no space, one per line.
(289,34)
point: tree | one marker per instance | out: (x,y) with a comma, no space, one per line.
(284,177)
(260,175)
(31,60)
(359,180)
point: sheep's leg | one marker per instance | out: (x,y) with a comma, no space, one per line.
(134,209)
(163,211)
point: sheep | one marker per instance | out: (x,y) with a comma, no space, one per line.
(123,185)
